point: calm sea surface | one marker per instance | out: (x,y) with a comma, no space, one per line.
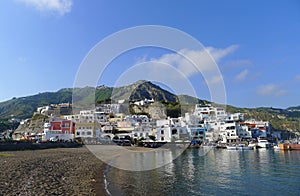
(219,172)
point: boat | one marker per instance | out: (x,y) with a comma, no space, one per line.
(276,147)
(244,147)
(240,147)
(263,143)
(253,145)
(231,148)
(294,146)
(283,146)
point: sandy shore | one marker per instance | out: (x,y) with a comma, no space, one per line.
(61,171)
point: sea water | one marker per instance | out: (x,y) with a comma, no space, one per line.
(219,172)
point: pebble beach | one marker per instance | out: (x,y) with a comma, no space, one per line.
(60,171)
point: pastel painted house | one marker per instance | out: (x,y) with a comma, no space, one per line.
(59,129)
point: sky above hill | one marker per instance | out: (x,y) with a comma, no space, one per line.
(255,45)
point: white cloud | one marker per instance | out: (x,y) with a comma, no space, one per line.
(242,76)
(191,62)
(271,90)
(217,53)
(56,6)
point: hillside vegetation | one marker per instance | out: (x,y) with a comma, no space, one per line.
(23,107)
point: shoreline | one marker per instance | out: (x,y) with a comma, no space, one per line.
(18,146)
(56,171)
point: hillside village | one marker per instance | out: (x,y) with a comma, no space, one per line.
(206,124)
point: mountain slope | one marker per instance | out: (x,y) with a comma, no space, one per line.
(281,119)
(287,119)
(141,90)
(24,107)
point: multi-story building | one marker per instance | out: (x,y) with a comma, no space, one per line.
(228,132)
(171,129)
(59,129)
(259,128)
(85,130)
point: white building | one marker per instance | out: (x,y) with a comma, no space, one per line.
(137,119)
(209,111)
(244,132)
(144,102)
(142,131)
(235,117)
(171,129)
(230,133)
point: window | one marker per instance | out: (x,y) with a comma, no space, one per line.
(89,133)
(162,138)
(174,131)
(77,133)
(162,132)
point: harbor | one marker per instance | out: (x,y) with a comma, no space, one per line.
(218,172)
(158,98)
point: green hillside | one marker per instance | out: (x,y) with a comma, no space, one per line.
(23,107)
(280,119)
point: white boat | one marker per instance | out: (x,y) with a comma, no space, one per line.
(244,147)
(231,148)
(276,147)
(240,147)
(252,145)
(263,143)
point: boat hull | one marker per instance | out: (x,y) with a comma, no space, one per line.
(239,147)
(294,146)
(289,146)
(283,146)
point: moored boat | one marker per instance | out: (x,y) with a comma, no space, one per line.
(294,146)
(288,146)
(276,147)
(231,148)
(283,146)
(243,147)
(240,147)
(263,143)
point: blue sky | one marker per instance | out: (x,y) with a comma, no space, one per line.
(255,44)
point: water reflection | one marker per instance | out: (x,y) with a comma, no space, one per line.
(141,159)
(259,172)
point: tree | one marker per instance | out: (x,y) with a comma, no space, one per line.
(152,137)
